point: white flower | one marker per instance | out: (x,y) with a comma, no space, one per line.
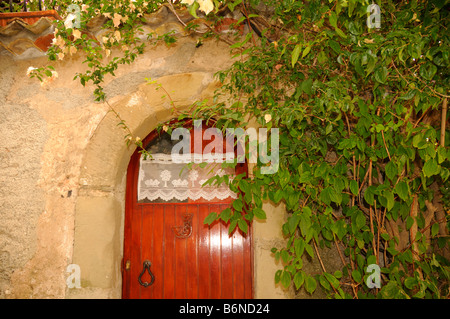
(117,35)
(206,5)
(268,118)
(76,34)
(188,2)
(72,50)
(165,128)
(30,69)
(68,23)
(116,19)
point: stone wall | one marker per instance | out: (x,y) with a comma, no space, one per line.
(64,161)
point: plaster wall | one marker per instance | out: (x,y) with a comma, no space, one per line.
(63,163)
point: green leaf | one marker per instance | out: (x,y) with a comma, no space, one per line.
(243,225)
(193,9)
(306,51)
(410,282)
(333,19)
(434,229)
(259,213)
(335,46)
(427,70)
(389,199)
(210,218)
(332,280)
(295,54)
(409,222)
(325,284)
(354,188)
(238,205)
(431,168)
(391,170)
(381,74)
(310,284)
(232,226)
(299,246)
(340,33)
(356,275)
(309,250)
(285,279)
(402,190)
(307,86)
(225,215)
(293,222)
(360,220)
(369,195)
(299,278)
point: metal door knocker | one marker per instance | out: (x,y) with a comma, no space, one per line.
(147,264)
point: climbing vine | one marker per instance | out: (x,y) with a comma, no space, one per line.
(361,112)
(363,154)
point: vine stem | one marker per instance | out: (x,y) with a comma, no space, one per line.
(443,122)
(130,134)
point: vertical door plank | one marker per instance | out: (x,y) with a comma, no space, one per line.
(215,234)
(157,253)
(227,262)
(135,252)
(204,273)
(248,265)
(169,252)
(192,255)
(147,246)
(238,265)
(180,257)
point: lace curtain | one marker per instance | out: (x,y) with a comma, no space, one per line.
(166,177)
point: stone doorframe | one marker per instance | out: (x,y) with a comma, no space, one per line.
(100,204)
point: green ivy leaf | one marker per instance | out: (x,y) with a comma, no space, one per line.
(360,219)
(381,74)
(409,222)
(356,275)
(391,170)
(354,188)
(431,168)
(299,278)
(310,284)
(295,54)
(427,70)
(285,279)
(402,190)
(243,225)
(238,205)
(225,215)
(210,218)
(259,213)
(434,229)
(389,196)
(333,281)
(369,195)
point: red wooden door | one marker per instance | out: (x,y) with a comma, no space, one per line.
(186,258)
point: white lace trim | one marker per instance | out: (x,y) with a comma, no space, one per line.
(189,158)
(167,177)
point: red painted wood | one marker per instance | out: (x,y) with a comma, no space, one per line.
(208,264)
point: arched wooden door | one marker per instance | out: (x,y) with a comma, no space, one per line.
(168,251)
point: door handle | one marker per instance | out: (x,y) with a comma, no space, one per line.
(147,264)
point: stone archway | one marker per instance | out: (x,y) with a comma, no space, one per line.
(99,210)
